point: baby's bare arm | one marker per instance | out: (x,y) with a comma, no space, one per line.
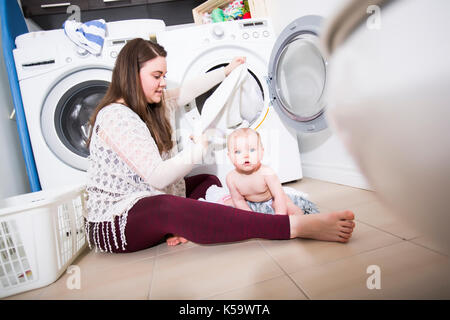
(279,198)
(237,198)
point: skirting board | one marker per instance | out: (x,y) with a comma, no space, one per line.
(349,176)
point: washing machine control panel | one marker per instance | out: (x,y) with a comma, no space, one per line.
(81,52)
(255,30)
(218,32)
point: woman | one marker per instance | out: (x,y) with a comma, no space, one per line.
(136,190)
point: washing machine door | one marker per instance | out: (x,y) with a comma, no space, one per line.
(297,75)
(66,112)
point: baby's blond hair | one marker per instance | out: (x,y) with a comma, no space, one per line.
(242,132)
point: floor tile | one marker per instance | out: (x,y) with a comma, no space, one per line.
(126,281)
(163,248)
(279,288)
(377,215)
(203,271)
(407,271)
(432,244)
(91,261)
(332,196)
(93,266)
(27,295)
(296,254)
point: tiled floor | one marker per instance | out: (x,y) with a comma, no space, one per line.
(410,265)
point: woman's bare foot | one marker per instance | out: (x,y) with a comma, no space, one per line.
(172,241)
(183,240)
(175,240)
(333,226)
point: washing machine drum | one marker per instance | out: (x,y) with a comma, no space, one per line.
(65,117)
(73,112)
(253,114)
(297,75)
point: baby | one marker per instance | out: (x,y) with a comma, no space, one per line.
(254,186)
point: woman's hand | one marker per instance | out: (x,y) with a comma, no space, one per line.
(237,61)
(203,139)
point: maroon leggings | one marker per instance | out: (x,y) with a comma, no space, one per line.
(151,219)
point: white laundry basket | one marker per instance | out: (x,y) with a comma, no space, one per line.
(41,233)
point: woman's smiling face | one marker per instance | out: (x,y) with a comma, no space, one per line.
(152,75)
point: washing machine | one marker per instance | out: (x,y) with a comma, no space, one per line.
(289,71)
(61,84)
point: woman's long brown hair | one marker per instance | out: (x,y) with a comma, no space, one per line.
(126,85)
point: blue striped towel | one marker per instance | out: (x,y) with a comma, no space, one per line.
(89,35)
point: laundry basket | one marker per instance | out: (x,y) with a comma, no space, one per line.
(41,233)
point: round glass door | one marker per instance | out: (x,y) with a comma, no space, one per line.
(66,112)
(300,79)
(73,112)
(297,75)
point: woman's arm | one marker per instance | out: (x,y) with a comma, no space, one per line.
(129,137)
(202,83)
(175,168)
(192,88)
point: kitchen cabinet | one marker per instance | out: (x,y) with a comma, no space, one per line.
(51,14)
(33,8)
(105,4)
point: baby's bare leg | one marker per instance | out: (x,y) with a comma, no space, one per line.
(228,202)
(291,207)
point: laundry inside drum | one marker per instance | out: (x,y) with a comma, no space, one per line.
(251,116)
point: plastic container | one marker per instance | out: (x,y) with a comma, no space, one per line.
(41,233)
(258,8)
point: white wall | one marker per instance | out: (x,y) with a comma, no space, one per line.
(13,175)
(323,155)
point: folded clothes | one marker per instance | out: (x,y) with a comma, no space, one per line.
(89,35)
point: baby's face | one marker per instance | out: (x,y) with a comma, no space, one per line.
(245,152)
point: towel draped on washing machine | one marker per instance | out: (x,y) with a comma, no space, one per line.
(88,36)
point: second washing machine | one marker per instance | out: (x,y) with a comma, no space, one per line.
(61,84)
